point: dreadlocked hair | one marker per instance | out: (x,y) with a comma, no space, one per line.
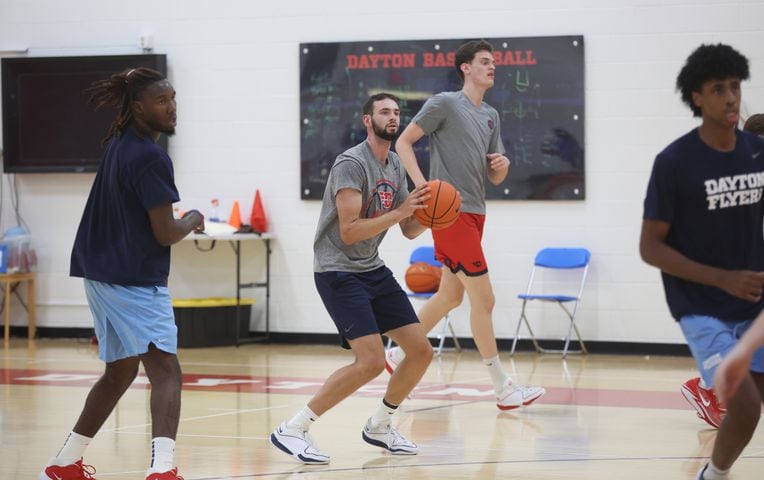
(120,90)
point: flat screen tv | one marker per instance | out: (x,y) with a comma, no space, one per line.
(47,124)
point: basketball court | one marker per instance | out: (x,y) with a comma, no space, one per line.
(603,417)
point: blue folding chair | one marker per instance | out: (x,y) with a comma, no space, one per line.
(556,259)
(427,254)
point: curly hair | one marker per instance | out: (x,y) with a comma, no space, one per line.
(709,62)
(755,124)
(120,90)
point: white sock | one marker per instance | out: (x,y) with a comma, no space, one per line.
(73,449)
(714,473)
(303,420)
(384,414)
(398,354)
(498,375)
(162,454)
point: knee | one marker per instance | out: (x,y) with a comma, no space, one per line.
(174,376)
(167,381)
(451,301)
(163,369)
(170,374)
(120,378)
(421,353)
(487,303)
(371,367)
(455,302)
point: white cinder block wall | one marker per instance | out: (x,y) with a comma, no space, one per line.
(235,66)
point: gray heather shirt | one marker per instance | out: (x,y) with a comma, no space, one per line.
(382,187)
(461,135)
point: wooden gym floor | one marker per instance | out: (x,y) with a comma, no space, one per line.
(603,417)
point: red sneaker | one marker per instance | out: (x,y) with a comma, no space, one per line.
(704,402)
(171,475)
(74,471)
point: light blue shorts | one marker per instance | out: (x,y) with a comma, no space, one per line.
(127,319)
(710,339)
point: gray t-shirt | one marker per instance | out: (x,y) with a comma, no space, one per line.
(461,135)
(383,188)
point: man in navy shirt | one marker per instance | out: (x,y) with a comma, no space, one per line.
(699,395)
(702,227)
(122,251)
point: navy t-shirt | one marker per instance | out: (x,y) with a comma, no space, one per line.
(115,243)
(713,201)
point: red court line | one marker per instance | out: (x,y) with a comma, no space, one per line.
(308,386)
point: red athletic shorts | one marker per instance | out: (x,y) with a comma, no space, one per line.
(458,246)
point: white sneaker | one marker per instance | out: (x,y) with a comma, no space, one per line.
(390,439)
(513,396)
(298,444)
(390,362)
(700,472)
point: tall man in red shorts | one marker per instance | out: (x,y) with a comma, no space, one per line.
(465,149)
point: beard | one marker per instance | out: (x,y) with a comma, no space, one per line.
(167,129)
(384,133)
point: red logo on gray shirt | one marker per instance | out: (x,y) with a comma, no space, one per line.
(386,198)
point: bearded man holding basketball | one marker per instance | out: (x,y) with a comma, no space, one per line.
(366,194)
(465,149)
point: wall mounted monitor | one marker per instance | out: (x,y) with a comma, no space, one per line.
(47,124)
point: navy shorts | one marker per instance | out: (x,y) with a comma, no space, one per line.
(364,303)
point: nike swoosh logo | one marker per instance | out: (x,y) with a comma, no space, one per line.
(703,400)
(57,477)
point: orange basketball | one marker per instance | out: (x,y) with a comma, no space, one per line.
(421,277)
(442,208)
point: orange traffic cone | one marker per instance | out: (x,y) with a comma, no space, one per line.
(258,221)
(235,218)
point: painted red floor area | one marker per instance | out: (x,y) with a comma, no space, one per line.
(308,386)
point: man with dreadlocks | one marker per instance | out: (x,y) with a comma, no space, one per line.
(122,251)
(702,227)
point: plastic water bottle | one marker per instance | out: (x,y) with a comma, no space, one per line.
(215,215)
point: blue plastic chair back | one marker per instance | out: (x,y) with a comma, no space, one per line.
(563,258)
(424,254)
